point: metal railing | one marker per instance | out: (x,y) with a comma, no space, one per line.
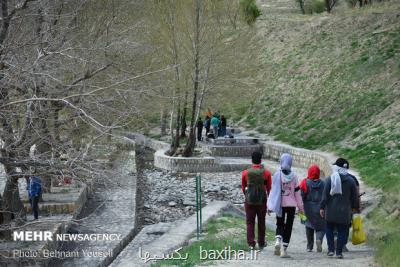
(198,206)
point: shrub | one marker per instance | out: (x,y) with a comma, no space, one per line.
(249,11)
(314,6)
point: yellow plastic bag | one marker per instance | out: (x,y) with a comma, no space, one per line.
(358,236)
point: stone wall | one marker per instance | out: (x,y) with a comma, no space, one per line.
(234,141)
(301,157)
(272,150)
(180,164)
(232,151)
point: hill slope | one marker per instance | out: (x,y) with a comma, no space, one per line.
(333,82)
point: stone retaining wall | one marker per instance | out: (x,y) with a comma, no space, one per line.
(234,141)
(272,150)
(232,151)
(301,157)
(180,164)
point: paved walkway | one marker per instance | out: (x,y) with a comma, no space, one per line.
(359,256)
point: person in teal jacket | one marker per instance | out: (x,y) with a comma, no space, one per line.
(215,125)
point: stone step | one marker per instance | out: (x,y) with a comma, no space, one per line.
(53,208)
(67,200)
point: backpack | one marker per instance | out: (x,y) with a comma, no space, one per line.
(255,193)
(314,191)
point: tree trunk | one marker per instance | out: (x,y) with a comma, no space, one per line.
(302,7)
(44,146)
(328,5)
(191,143)
(175,139)
(184,114)
(12,204)
(163,121)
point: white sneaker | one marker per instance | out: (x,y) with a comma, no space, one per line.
(278,244)
(319,245)
(284,253)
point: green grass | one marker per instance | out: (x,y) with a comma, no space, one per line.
(220,233)
(329,89)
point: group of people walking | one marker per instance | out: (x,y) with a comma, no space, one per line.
(326,206)
(215,126)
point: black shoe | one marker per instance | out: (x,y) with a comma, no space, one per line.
(339,256)
(330,254)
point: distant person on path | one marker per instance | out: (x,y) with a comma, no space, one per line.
(207,124)
(312,188)
(209,113)
(34,192)
(223,125)
(199,129)
(339,200)
(284,198)
(256,185)
(214,124)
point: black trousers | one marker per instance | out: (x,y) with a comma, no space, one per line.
(199,133)
(284,224)
(35,206)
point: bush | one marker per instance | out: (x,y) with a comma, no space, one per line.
(314,6)
(250,11)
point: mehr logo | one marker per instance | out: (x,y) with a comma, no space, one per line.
(33,236)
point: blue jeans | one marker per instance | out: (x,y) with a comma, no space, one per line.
(215,130)
(343,235)
(223,131)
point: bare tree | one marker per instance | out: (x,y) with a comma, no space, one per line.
(66,82)
(199,47)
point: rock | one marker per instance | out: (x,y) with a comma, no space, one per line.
(222,188)
(189,202)
(172,204)
(148,220)
(164,198)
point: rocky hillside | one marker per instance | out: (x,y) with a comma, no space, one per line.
(332,82)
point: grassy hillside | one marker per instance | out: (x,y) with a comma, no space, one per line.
(332,82)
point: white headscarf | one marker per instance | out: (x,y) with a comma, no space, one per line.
(336,182)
